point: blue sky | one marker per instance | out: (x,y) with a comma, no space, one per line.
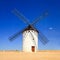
(31,9)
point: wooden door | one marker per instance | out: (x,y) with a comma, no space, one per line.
(33,48)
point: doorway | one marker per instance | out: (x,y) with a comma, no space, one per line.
(33,48)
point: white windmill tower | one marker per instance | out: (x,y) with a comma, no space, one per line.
(30,34)
(30,39)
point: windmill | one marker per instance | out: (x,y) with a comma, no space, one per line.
(30,33)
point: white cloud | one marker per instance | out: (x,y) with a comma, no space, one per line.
(50,28)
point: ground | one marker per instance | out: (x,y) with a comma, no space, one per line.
(40,55)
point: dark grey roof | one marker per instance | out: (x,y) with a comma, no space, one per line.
(30,28)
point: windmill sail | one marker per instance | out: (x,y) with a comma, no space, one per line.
(23,18)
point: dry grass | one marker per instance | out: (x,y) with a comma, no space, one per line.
(40,55)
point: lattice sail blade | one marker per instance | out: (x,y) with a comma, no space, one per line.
(16,34)
(20,16)
(43,38)
(40,17)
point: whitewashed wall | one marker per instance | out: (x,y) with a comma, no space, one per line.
(28,41)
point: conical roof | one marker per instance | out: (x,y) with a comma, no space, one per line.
(30,28)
